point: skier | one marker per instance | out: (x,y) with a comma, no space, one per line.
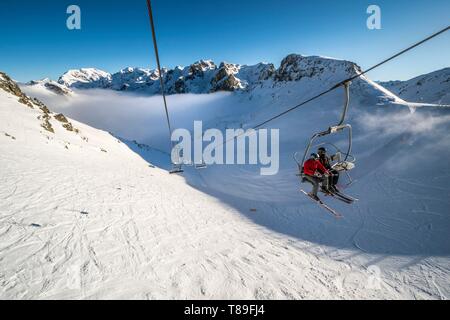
(325,160)
(315,173)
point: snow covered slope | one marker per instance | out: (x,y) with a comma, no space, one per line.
(82,216)
(255,236)
(433,87)
(50,85)
(85,78)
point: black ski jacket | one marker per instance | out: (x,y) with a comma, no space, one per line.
(326,161)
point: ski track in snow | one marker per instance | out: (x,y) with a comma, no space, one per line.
(145,235)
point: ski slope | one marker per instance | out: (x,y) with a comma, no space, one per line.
(83,217)
(433,87)
(82,223)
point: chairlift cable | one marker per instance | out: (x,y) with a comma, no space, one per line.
(345,81)
(163,91)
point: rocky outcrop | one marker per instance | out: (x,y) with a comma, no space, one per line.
(205,76)
(45,115)
(199,68)
(10,86)
(65,123)
(225,79)
(295,67)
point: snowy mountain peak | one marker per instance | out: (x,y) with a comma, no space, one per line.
(85,78)
(202,65)
(205,76)
(131,78)
(295,67)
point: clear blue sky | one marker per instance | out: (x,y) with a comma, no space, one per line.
(35,42)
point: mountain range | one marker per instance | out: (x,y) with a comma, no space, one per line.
(205,76)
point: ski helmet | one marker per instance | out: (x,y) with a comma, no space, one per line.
(314,156)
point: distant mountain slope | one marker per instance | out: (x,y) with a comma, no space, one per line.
(51,86)
(206,77)
(203,76)
(85,78)
(433,87)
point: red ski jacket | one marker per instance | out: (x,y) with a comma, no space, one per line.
(311,166)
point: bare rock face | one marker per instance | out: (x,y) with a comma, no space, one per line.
(180,86)
(267,72)
(199,68)
(229,83)
(61,118)
(295,67)
(65,123)
(225,79)
(7,84)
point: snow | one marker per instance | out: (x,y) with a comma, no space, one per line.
(52,86)
(85,78)
(433,87)
(83,223)
(111,226)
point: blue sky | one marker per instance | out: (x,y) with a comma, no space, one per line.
(35,42)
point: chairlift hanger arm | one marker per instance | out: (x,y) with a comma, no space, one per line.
(337,128)
(347,102)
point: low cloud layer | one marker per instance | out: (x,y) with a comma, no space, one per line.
(131,116)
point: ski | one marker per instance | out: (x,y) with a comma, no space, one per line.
(340,198)
(343,195)
(337,196)
(336,214)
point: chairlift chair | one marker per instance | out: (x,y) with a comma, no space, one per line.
(342,165)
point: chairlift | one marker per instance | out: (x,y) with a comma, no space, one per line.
(200,165)
(344,161)
(176,161)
